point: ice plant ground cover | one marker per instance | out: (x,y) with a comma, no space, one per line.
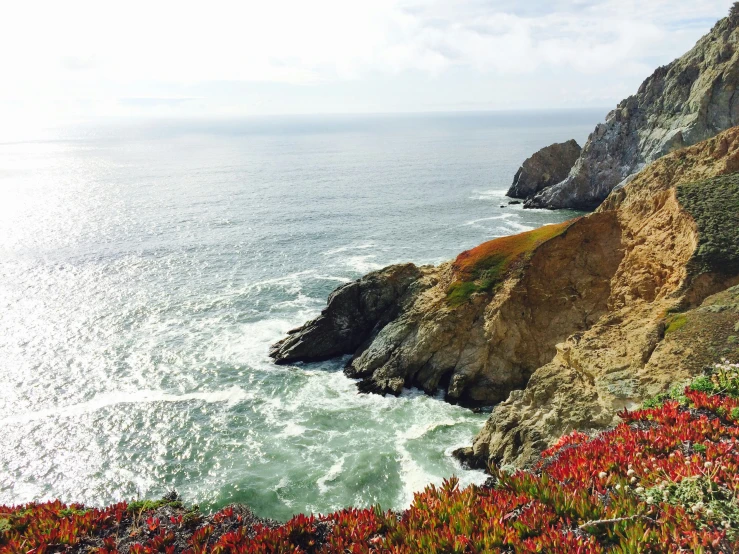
(664,480)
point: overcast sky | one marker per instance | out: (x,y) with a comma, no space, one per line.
(80,59)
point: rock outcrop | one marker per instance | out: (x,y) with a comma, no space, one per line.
(562,326)
(688,101)
(355,313)
(547,167)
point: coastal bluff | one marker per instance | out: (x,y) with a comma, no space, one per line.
(680,104)
(561,327)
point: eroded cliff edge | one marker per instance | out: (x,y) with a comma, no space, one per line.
(563,326)
(688,101)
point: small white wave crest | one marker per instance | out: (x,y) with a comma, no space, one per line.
(230,396)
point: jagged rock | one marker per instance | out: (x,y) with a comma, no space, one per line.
(354,313)
(688,101)
(547,167)
(478,340)
(476,336)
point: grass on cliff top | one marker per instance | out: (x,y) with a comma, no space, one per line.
(714,205)
(487,265)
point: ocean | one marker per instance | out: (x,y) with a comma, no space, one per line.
(146,267)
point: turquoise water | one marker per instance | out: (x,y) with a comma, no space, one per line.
(145,268)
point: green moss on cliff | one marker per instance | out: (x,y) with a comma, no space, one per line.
(714,205)
(486,266)
(675,323)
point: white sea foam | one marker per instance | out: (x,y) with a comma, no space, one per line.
(493,218)
(491,194)
(414,477)
(349,248)
(292,429)
(361,264)
(419,430)
(231,397)
(331,475)
(518,227)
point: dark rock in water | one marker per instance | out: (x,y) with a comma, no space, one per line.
(392,386)
(468,458)
(355,312)
(514,202)
(688,101)
(547,167)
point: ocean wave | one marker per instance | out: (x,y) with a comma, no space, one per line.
(331,475)
(361,264)
(496,217)
(490,194)
(518,227)
(231,396)
(349,248)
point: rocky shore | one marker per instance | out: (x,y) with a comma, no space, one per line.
(561,327)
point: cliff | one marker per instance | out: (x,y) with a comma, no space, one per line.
(565,325)
(688,101)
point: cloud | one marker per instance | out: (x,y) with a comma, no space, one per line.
(141,49)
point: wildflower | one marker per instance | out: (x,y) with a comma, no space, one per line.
(602,475)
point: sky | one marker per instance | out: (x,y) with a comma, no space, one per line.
(80,59)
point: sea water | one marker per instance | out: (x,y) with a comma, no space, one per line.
(146,267)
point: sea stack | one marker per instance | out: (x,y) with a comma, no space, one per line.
(547,167)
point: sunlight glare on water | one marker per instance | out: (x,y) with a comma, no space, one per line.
(146,268)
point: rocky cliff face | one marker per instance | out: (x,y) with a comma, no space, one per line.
(688,101)
(547,167)
(668,316)
(564,325)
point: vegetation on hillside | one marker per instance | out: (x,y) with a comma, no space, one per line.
(487,265)
(665,480)
(714,205)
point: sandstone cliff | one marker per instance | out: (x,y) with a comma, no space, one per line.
(688,101)
(547,167)
(566,324)
(669,313)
